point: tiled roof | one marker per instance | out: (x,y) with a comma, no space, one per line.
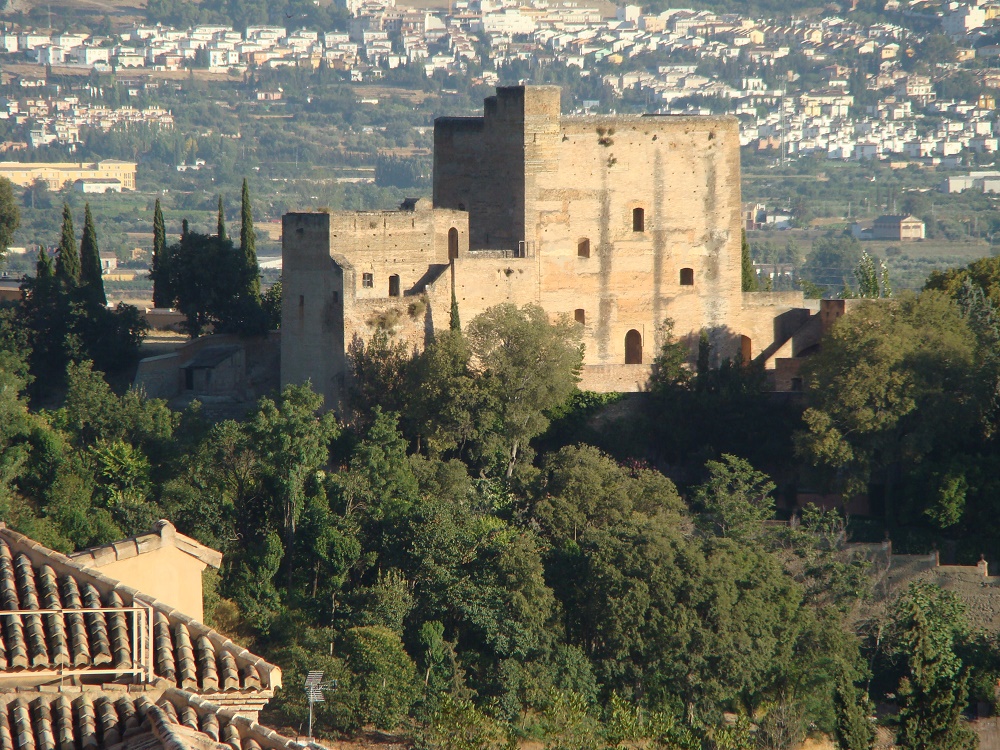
(164,534)
(184,652)
(122,718)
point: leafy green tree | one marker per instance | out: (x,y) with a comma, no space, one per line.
(291,444)
(270,302)
(887,391)
(935,49)
(854,728)
(15,425)
(38,195)
(457,724)
(68,260)
(43,316)
(378,375)
(670,368)
(983,273)
(10,216)
(380,481)
(580,488)
(736,498)
(665,619)
(528,365)
(91,280)
(445,406)
(162,296)
(933,691)
(385,674)
(206,277)
(832,261)
(250,577)
(872,277)
(300,649)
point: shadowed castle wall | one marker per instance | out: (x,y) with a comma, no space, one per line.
(345,273)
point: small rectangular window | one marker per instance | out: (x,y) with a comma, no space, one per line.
(302,307)
(580,316)
(368,280)
(687,277)
(583,248)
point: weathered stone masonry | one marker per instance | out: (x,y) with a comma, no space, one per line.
(616,222)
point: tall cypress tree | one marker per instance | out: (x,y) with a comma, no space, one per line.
(43,288)
(455,323)
(221,231)
(90,261)
(750,283)
(47,318)
(248,244)
(43,269)
(68,262)
(161,297)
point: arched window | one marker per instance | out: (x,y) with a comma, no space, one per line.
(452,243)
(580,316)
(394,285)
(583,248)
(638,220)
(633,348)
(687,277)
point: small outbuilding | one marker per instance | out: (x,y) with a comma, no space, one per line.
(898,228)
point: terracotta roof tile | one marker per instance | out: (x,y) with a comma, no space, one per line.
(81,718)
(186,653)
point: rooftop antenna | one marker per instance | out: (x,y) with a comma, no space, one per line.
(314,693)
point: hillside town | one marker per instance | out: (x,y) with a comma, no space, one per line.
(673,62)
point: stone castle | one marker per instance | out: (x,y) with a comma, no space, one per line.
(618,222)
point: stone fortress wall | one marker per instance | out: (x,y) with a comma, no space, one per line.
(616,222)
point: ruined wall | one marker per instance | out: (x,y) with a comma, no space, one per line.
(328,301)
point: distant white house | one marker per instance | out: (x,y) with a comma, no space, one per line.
(98,185)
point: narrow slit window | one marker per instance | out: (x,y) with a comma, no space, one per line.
(687,277)
(583,248)
(638,220)
(368,280)
(302,307)
(452,243)
(394,285)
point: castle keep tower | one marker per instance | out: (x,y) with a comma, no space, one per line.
(618,222)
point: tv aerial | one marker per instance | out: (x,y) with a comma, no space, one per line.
(314,693)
